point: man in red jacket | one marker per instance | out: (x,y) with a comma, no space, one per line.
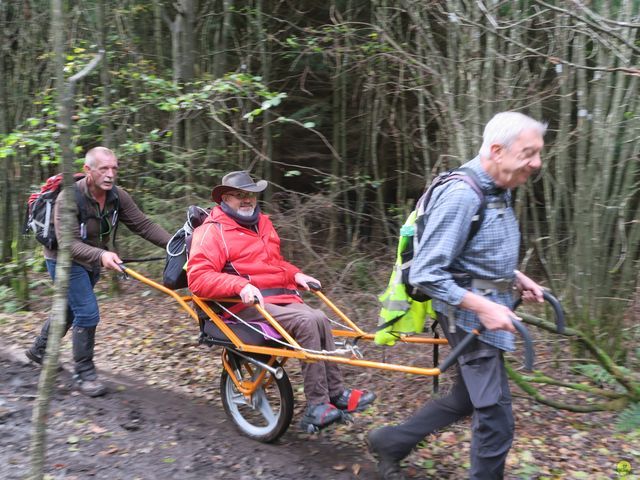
(236,252)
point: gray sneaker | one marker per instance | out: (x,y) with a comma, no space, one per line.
(388,467)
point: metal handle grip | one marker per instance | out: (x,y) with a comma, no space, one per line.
(529,354)
(555,306)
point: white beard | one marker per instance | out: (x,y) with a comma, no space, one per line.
(244,212)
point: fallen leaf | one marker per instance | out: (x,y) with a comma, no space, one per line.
(97,429)
(110,451)
(340,467)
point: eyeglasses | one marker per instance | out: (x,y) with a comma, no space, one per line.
(242,195)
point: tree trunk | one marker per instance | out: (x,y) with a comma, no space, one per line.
(63,267)
(7,209)
(102,29)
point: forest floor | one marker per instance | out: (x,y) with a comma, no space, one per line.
(163,418)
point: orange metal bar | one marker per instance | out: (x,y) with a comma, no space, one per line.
(179,298)
(338,312)
(405,338)
(285,352)
(245,387)
(305,356)
(230,334)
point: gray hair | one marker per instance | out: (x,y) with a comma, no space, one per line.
(90,156)
(505,127)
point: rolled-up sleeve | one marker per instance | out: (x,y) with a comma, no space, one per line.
(448,221)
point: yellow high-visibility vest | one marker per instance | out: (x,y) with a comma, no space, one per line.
(400,313)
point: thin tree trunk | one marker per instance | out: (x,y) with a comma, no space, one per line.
(102,28)
(7,210)
(63,267)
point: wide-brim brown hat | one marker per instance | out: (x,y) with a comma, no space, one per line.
(237,181)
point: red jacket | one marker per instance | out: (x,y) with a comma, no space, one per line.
(225,256)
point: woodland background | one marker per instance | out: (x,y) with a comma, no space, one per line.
(348,108)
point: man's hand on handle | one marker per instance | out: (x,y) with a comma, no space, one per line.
(304,280)
(111,260)
(492,315)
(529,290)
(249,294)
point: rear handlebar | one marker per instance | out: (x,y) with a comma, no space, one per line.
(555,306)
(529,354)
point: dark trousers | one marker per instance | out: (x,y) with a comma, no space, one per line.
(311,329)
(482,390)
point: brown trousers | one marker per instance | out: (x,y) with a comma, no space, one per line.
(311,329)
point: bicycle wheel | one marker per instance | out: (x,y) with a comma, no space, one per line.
(267,414)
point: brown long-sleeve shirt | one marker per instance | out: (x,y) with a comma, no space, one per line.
(99,231)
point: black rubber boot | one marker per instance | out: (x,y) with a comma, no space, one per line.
(36,352)
(85,378)
(388,467)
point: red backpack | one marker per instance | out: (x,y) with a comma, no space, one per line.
(39,215)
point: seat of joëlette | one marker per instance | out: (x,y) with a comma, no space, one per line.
(212,335)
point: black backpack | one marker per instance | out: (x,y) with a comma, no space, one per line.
(174,275)
(39,213)
(39,217)
(470,178)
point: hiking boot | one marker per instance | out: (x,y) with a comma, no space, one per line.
(90,388)
(352,400)
(319,416)
(85,379)
(36,352)
(388,467)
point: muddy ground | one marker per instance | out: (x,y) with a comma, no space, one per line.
(138,432)
(163,417)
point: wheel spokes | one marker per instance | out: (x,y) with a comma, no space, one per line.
(264,407)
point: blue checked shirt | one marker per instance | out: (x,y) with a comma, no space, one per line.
(491,254)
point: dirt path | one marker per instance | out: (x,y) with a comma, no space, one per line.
(164,418)
(138,432)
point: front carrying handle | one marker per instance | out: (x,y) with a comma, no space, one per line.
(529,354)
(555,305)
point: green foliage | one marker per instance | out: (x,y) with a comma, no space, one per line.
(138,94)
(8,299)
(629,419)
(598,375)
(11,299)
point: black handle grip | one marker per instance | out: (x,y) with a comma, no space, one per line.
(455,353)
(314,286)
(555,306)
(529,354)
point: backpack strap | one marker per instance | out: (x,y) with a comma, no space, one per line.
(83,215)
(470,177)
